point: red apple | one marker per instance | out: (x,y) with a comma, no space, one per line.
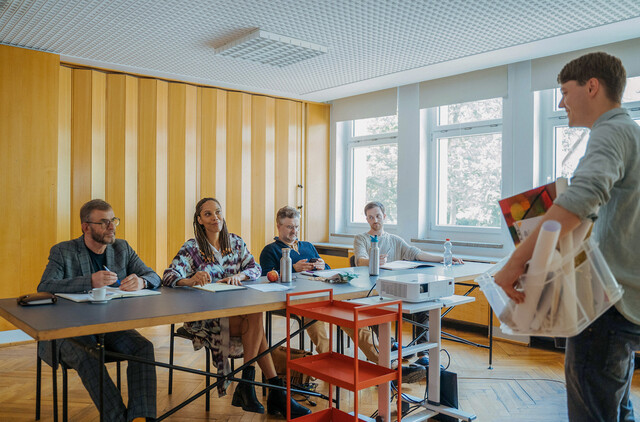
(273,276)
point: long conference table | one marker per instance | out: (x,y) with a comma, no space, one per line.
(175,305)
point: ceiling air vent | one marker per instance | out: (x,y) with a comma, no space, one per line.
(272,49)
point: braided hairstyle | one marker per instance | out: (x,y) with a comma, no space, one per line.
(201,235)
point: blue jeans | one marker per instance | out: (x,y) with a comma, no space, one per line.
(598,369)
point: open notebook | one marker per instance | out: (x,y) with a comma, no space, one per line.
(404,265)
(112,293)
(219,287)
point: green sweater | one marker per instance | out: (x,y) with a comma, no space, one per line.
(607,183)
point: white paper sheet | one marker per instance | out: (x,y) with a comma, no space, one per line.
(404,265)
(270,287)
(219,287)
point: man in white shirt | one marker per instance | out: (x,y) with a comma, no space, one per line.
(392,248)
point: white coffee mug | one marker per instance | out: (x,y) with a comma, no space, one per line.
(99,293)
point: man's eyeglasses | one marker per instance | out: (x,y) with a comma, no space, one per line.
(105,223)
(292,227)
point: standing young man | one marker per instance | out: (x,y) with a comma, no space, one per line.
(599,361)
(98,259)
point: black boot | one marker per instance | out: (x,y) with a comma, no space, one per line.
(245,394)
(277,402)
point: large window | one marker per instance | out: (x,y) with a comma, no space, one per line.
(467,147)
(373,166)
(562,147)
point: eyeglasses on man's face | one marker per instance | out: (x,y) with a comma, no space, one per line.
(106,223)
(289,227)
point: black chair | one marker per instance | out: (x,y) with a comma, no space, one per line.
(183,333)
(352,261)
(283,313)
(65,368)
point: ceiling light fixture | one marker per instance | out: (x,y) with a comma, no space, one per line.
(272,49)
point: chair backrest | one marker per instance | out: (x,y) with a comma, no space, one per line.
(352,261)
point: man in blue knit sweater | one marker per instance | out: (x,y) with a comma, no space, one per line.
(304,257)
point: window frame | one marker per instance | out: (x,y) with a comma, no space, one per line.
(355,142)
(434,132)
(552,118)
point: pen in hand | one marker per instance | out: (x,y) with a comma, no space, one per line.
(117,283)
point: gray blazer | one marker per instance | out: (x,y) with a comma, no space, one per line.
(69,271)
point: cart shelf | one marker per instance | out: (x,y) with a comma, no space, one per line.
(338,369)
(335,368)
(342,313)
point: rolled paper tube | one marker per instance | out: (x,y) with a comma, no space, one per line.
(537,273)
(542,312)
(585,292)
(568,268)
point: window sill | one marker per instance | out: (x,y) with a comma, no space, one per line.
(459,243)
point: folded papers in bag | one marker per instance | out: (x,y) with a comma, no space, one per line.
(41,298)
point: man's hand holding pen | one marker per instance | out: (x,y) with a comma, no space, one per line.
(131,283)
(103,278)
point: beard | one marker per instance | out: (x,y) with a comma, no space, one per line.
(102,238)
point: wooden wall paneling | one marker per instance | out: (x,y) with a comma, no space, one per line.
(29,83)
(63,211)
(262,173)
(335,261)
(300,172)
(182,163)
(316,167)
(286,154)
(152,173)
(163,254)
(237,209)
(121,181)
(476,312)
(87,141)
(198,142)
(213,144)
(191,188)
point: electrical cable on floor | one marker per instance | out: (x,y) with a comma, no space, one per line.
(449,356)
(512,379)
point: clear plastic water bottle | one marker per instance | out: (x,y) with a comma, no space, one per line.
(448,255)
(285,266)
(374,257)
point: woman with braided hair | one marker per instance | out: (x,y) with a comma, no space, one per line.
(217,256)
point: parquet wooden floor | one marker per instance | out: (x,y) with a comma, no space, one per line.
(526,384)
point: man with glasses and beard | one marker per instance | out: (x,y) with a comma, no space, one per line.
(97,259)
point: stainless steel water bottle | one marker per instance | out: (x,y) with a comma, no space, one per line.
(374,257)
(285,266)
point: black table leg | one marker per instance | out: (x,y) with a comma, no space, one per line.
(490,338)
(54,366)
(101,376)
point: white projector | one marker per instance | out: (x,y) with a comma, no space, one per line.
(415,287)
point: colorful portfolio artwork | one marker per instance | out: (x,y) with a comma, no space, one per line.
(522,212)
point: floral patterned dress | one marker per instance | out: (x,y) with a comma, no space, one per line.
(213,333)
